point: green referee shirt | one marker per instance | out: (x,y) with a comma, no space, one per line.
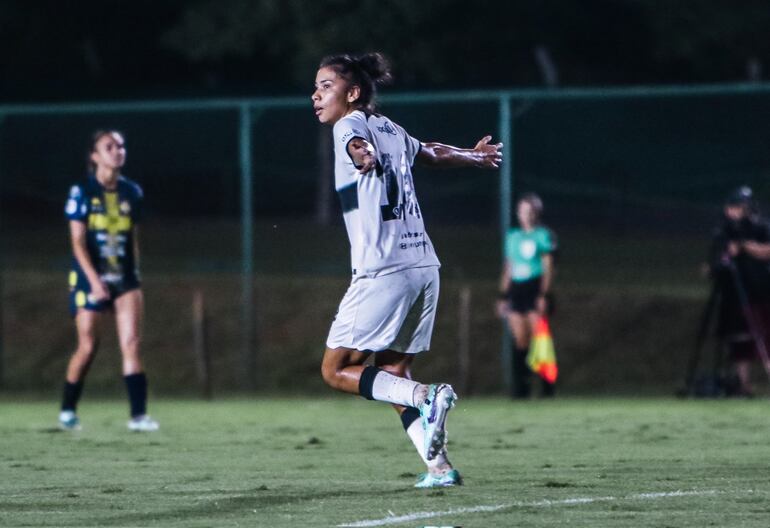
(524,251)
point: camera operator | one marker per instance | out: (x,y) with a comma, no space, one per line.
(742,243)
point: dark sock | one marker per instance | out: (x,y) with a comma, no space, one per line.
(71,395)
(136,384)
(409,416)
(521,382)
(548,389)
(366,381)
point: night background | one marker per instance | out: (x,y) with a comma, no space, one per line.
(632,119)
(86,50)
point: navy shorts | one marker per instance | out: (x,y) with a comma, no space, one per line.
(80,293)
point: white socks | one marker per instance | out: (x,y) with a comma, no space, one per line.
(417,436)
(393,389)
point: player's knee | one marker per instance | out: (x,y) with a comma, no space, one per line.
(522,342)
(331,375)
(131,344)
(86,349)
(328,374)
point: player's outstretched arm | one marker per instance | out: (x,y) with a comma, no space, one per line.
(484,155)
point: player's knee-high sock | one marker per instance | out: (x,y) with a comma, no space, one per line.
(136,385)
(548,390)
(376,384)
(521,382)
(410,419)
(71,395)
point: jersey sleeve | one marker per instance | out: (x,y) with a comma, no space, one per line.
(76,207)
(510,245)
(548,241)
(137,208)
(413,146)
(763,231)
(347,128)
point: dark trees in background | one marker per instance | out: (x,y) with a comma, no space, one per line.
(63,50)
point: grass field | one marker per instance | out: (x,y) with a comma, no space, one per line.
(347,462)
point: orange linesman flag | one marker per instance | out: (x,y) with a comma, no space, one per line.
(542,356)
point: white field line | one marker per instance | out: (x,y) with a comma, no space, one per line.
(544,503)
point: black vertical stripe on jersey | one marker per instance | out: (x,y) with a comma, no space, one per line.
(349,197)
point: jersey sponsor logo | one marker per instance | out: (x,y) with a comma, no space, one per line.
(527,248)
(110,223)
(351,134)
(409,245)
(387,128)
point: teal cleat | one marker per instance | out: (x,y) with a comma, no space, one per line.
(69,421)
(450,478)
(433,413)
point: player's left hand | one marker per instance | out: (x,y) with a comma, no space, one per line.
(488,156)
(362,153)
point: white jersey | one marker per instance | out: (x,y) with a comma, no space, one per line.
(380,208)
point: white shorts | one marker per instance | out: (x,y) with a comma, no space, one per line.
(390,312)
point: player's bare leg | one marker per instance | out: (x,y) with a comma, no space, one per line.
(88,325)
(129,315)
(341,368)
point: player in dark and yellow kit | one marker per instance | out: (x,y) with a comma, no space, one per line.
(103,213)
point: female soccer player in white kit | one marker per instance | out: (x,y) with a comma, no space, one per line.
(390,306)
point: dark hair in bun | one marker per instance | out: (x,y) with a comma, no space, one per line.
(365,71)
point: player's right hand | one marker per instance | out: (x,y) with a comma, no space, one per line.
(489,156)
(99,292)
(362,154)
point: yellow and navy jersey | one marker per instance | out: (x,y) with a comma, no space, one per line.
(110,217)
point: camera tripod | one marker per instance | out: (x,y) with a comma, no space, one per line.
(755,329)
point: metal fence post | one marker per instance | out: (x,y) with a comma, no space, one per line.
(248,372)
(2,267)
(505,131)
